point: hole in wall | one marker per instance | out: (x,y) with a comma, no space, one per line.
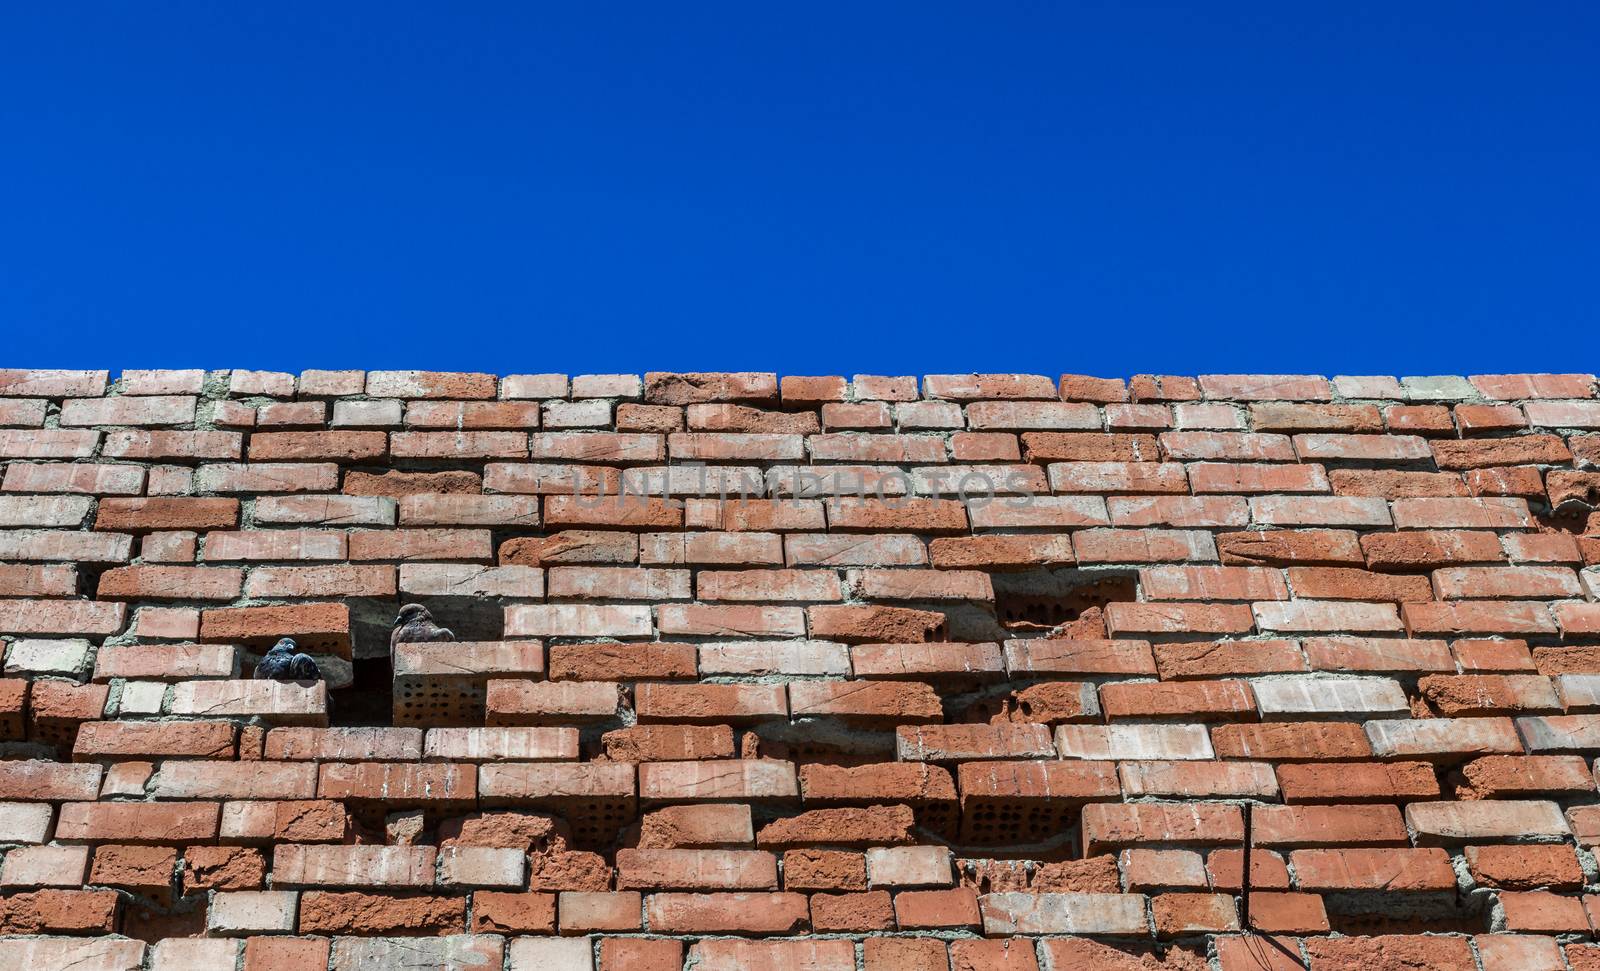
(470,618)
(1060,603)
(368,701)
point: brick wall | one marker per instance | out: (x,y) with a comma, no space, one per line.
(966,672)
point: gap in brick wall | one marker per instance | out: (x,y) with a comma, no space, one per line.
(1060,603)
(369,700)
(469,618)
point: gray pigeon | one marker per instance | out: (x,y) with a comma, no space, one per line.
(415,625)
(283,663)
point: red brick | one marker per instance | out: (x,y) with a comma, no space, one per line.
(13,701)
(513,913)
(144,515)
(901,953)
(421,544)
(1388,484)
(1090,447)
(1525,867)
(267,477)
(966,387)
(984,446)
(1576,618)
(733,954)
(725,913)
(582,911)
(331,446)
(881,783)
(1192,700)
(72,617)
(38,780)
(1142,546)
(658,419)
(315,626)
(1182,914)
(760,515)
(613,511)
(1258,952)
(1340,583)
(696,869)
(1496,656)
(769,585)
(222,868)
(1432,952)
(180,445)
(399,786)
(1248,477)
(741,779)
(321,581)
(621,662)
(1290,547)
(1477,617)
(285,954)
(1131,417)
(170,583)
(1057,782)
(44,383)
(811,390)
(1337,825)
(429,384)
(1163,387)
(1392,869)
(1265,387)
(1050,656)
(667,388)
(1517,450)
(1112,826)
(1282,417)
(641,954)
(955,743)
(160,823)
(1214,583)
(1515,387)
(1291,741)
(710,703)
(858,624)
(1506,583)
(1543,912)
(1268,871)
(852,912)
(1291,913)
(19,580)
(1542,548)
(696,827)
(92,479)
(1522,480)
(883,703)
(1522,777)
(517,702)
(1377,655)
(1197,780)
(1227,447)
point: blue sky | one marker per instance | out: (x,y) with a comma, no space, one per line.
(1104,188)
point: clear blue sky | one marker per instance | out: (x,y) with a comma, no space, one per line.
(1106,187)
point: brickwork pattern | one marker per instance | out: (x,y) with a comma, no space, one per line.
(813,674)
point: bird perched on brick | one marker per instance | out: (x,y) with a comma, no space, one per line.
(416,625)
(285,663)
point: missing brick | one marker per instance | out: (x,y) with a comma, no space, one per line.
(366,701)
(1060,603)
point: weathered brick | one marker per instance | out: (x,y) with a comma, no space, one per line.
(1059,913)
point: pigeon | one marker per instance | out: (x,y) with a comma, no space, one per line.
(416,625)
(282,663)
